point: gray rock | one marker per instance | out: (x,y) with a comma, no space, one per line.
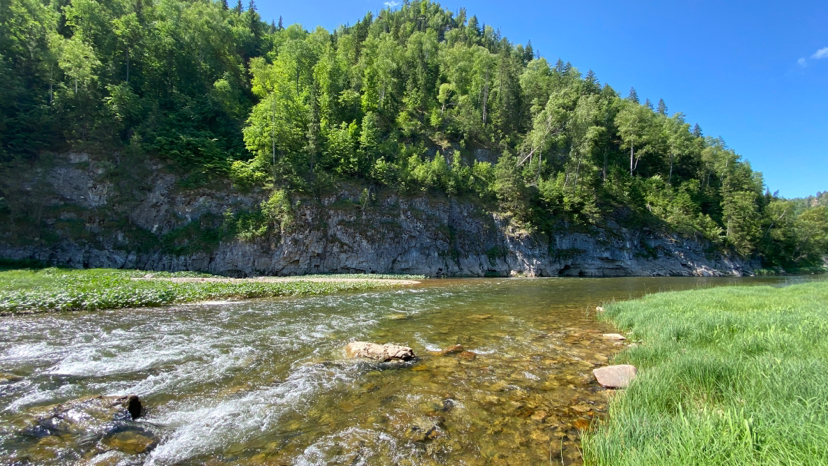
(615,376)
(416,235)
(614,336)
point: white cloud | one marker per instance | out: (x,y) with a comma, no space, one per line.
(801,62)
(392,4)
(821,53)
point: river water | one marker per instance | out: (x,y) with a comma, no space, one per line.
(267,382)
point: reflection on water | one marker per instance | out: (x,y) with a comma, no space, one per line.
(266,382)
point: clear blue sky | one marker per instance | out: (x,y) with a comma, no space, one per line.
(749,71)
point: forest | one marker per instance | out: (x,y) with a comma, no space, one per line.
(415,100)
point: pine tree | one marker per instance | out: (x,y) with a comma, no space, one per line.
(633,97)
(281,25)
(239,8)
(591,82)
(224,5)
(648,104)
(251,7)
(528,52)
(560,67)
(662,107)
(272,26)
(697,132)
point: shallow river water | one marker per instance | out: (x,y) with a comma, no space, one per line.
(267,382)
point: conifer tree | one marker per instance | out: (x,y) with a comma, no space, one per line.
(633,97)
(648,104)
(697,132)
(662,107)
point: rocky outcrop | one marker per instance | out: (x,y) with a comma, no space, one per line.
(382,353)
(83,219)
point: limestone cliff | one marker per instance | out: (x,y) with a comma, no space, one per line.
(75,212)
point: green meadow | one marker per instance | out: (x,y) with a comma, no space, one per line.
(727,376)
(54,289)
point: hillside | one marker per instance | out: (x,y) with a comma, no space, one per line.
(415,107)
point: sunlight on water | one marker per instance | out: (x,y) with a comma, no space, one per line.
(267,382)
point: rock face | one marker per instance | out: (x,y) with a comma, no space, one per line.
(161,226)
(615,376)
(382,353)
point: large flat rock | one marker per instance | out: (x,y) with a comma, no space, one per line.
(387,352)
(615,376)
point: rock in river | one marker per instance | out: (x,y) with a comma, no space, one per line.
(614,336)
(453,349)
(387,352)
(615,376)
(87,414)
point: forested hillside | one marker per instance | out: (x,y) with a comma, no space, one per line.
(415,99)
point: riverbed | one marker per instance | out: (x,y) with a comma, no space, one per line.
(267,382)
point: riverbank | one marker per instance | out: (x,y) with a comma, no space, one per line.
(727,376)
(53,289)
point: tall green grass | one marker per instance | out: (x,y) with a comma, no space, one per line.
(727,376)
(54,289)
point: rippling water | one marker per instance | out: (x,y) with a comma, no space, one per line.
(266,382)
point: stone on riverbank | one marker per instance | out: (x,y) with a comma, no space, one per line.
(383,353)
(615,376)
(614,336)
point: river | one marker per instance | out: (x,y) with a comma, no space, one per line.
(266,382)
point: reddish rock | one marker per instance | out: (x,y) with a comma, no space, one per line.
(615,376)
(454,349)
(467,355)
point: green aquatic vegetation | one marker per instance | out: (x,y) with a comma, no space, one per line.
(727,376)
(54,289)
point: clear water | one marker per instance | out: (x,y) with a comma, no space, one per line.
(267,382)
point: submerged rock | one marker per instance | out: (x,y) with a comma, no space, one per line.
(453,349)
(615,376)
(382,353)
(8,378)
(467,355)
(91,414)
(133,441)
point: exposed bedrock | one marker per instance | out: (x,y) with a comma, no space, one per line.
(334,234)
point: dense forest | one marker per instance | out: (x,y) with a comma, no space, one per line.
(416,99)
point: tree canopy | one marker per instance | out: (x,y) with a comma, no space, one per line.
(414,99)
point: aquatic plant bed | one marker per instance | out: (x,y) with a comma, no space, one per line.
(726,376)
(52,289)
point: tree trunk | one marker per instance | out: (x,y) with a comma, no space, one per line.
(605,166)
(670,177)
(485,96)
(632,155)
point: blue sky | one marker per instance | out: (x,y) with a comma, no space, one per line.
(753,72)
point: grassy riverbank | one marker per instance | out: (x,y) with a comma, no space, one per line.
(733,375)
(52,289)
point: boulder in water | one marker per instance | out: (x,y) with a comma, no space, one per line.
(615,376)
(453,349)
(382,353)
